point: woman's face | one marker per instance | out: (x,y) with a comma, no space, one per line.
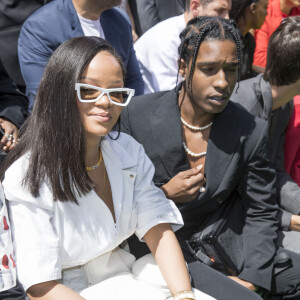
(214,77)
(260,13)
(99,117)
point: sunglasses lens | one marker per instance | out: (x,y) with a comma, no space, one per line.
(119,96)
(88,93)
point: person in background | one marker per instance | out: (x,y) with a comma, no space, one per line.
(148,13)
(269,96)
(58,21)
(248,14)
(207,151)
(76,190)
(126,8)
(277,10)
(13,14)
(13,112)
(157,49)
(292,148)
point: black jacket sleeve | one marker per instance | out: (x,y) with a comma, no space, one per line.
(13,104)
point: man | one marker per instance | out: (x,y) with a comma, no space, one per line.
(268,97)
(157,49)
(62,20)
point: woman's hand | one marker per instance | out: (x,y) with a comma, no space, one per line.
(185,186)
(10,135)
(244,283)
(163,244)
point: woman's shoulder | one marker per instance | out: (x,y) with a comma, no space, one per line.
(15,189)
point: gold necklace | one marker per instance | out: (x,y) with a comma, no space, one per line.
(97,164)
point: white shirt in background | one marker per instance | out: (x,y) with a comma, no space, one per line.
(157,53)
(91,27)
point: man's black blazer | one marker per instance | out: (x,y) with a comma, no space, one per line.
(236,161)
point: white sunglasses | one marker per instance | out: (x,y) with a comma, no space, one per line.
(89,93)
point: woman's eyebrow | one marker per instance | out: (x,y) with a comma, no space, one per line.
(96,81)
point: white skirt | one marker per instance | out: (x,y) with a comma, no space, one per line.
(117,275)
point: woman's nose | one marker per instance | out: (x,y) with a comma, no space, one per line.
(103,101)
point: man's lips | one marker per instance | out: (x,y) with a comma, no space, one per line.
(219,98)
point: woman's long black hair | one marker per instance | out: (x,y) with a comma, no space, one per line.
(54,135)
(201,29)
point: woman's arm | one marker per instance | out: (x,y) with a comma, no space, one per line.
(51,290)
(163,244)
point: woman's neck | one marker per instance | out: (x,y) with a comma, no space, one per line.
(91,156)
(286,7)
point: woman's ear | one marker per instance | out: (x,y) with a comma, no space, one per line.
(182,67)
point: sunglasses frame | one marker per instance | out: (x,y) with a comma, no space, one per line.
(104,92)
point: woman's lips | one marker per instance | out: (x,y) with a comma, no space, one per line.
(102,117)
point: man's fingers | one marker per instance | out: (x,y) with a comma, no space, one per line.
(192,172)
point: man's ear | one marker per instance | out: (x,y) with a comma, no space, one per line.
(253,7)
(195,8)
(182,67)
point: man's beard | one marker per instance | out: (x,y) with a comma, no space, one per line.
(107,4)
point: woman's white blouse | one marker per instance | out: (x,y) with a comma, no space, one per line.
(51,236)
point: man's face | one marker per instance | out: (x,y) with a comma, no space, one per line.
(218,8)
(214,76)
(107,4)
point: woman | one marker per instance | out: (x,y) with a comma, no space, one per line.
(207,151)
(76,190)
(248,14)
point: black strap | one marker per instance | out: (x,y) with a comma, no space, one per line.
(282,261)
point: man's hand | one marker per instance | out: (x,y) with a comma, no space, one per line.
(185,186)
(244,283)
(295,223)
(10,135)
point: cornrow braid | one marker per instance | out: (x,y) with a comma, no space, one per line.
(204,28)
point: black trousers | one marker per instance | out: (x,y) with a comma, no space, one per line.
(285,280)
(285,283)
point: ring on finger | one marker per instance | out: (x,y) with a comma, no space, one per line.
(10,137)
(202,189)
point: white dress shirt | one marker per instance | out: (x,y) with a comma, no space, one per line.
(52,236)
(157,53)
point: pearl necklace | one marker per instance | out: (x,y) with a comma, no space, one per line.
(97,164)
(194,127)
(191,153)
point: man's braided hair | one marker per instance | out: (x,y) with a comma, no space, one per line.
(202,29)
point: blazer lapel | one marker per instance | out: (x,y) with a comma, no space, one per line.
(166,129)
(120,168)
(74,21)
(223,139)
